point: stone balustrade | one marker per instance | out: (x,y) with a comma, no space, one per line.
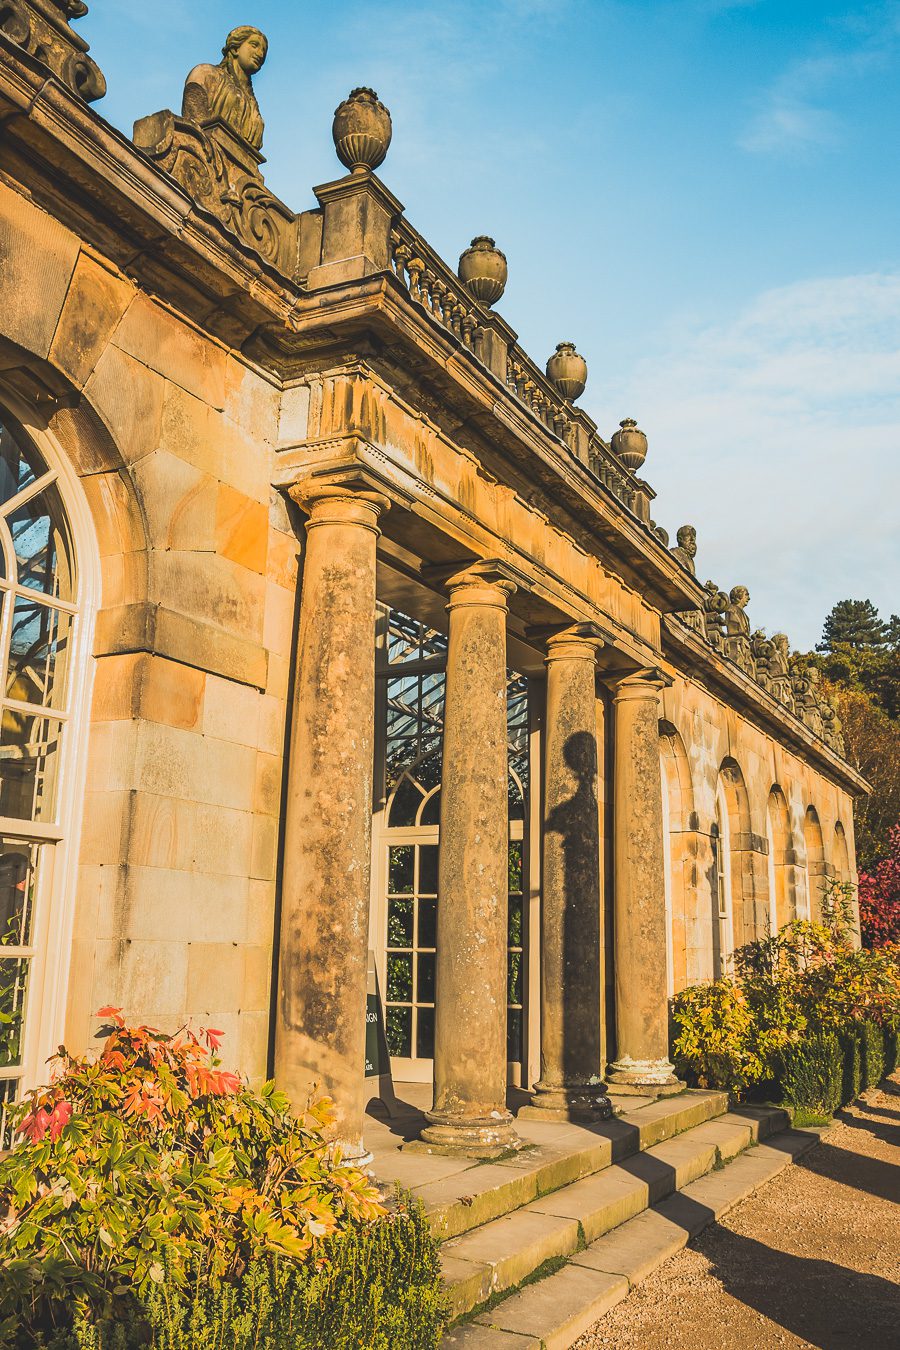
(431,282)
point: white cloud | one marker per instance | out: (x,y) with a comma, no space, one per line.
(790,126)
(777,433)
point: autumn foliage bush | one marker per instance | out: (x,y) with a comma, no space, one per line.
(879,897)
(149,1171)
(804,983)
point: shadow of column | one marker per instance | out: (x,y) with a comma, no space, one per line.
(577,822)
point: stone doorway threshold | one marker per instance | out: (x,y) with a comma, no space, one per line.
(538,1246)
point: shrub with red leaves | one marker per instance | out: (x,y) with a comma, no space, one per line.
(879,897)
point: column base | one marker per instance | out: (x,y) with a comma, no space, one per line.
(643,1078)
(468,1137)
(583,1102)
(354,1154)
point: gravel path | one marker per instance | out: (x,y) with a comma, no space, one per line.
(812,1259)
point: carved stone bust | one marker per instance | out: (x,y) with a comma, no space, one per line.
(686,548)
(737,629)
(224,93)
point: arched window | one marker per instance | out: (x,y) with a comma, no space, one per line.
(721,850)
(39,691)
(815,862)
(781,856)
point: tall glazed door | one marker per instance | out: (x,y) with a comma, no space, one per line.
(410,708)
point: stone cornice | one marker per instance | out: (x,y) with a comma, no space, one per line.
(695,659)
(95,181)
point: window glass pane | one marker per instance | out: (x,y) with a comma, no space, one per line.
(398,1030)
(40,541)
(515,921)
(514,994)
(403,704)
(38,653)
(400,879)
(13,978)
(29,753)
(514,1034)
(399,978)
(405,804)
(400,757)
(515,866)
(425,990)
(427,923)
(400,923)
(19,465)
(17,877)
(428,869)
(431,812)
(425,1033)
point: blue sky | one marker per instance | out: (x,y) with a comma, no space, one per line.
(702,194)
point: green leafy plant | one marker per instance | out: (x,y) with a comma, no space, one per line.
(872,1045)
(152,1163)
(811,1075)
(851,1073)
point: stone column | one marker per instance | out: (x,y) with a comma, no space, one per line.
(642,1014)
(469,1115)
(571,1084)
(320,1023)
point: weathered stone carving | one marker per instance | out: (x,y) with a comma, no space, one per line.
(714,607)
(568,371)
(832,728)
(806,702)
(685,549)
(224,93)
(661,533)
(737,629)
(212,150)
(780,670)
(361,131)
(41,27)
(762,650)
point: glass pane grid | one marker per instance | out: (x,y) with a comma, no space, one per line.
(415,702)
(9,1090)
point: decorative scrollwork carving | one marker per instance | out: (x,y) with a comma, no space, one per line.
(216,171)
(41,28)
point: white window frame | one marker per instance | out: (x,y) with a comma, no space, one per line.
(54,900)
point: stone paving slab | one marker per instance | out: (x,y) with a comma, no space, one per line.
(516,1245)
(558,1309)
(598,1203)
(475,1337)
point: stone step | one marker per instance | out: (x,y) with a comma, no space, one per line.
(461,1195)
(551,1313)
(498,1255)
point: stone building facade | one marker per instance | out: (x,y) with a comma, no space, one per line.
(320,601)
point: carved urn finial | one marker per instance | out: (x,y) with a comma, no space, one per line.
(568,371)
(362,131)
(629,444)
(482,267)
(41,27)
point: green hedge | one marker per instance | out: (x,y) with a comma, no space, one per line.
(812,1074)
(851,1076)
(891,1051)
(379,1290)
(872,1043)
